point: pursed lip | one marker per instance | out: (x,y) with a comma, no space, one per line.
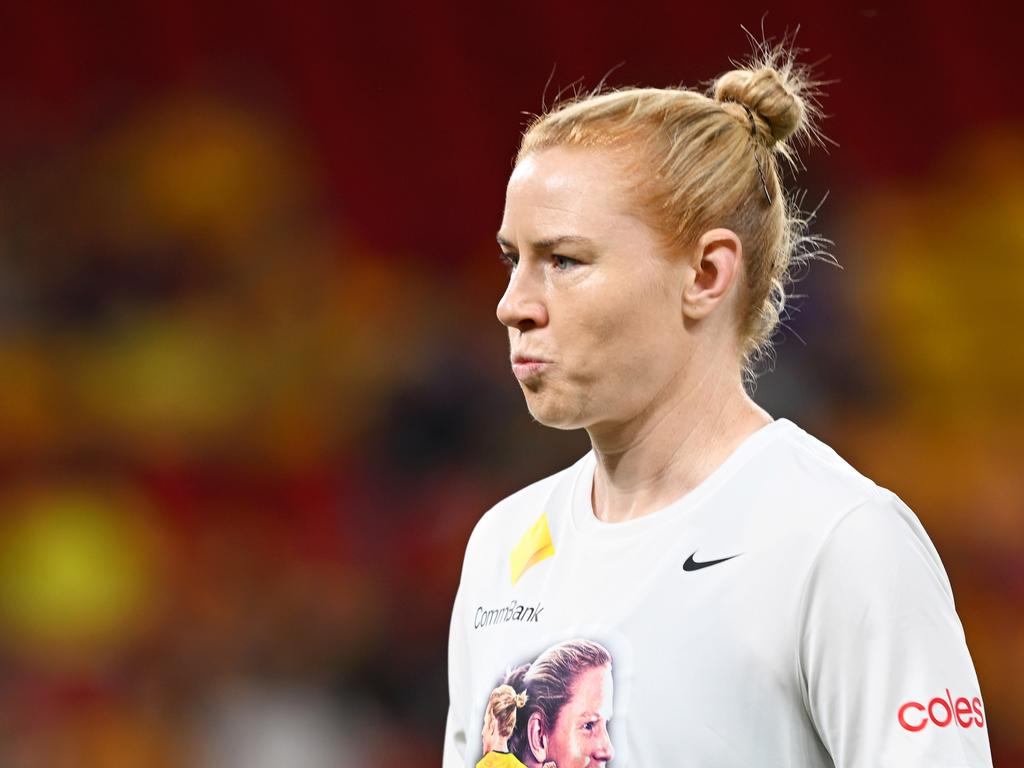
(525,367)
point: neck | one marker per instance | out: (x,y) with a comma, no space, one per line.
(669,448)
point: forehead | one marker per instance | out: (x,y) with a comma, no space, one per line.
(592,690)
(571,187)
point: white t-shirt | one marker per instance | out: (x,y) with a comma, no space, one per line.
(786,612)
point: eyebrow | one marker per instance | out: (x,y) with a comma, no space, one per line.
(549,243)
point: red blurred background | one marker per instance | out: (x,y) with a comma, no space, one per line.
(254,395)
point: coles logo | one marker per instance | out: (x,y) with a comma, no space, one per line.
(942,712)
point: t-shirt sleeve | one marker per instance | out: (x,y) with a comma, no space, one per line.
(455,731)
(454,754)
(883,660)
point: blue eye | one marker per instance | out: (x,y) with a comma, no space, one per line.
(563,262)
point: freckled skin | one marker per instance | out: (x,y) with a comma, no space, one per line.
(611,325)
(580,734)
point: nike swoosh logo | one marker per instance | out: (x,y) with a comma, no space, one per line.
(693,565)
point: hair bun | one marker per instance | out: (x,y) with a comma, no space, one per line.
(766,92)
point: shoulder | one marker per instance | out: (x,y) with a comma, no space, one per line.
(883,542)
(818,466)
(863,504)
(808,479)
(802,491)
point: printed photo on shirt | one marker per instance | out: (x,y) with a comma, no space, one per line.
(552,712)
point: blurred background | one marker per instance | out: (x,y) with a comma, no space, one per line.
(253,395)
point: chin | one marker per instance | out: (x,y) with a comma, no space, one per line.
(553,413)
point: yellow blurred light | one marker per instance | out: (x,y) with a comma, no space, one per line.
(77,571)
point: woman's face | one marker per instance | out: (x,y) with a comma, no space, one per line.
(593,297)
(580,733)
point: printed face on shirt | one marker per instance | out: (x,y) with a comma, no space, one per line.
(593,295)
(580,733)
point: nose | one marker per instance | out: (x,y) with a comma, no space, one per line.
(604,750)
(523,306)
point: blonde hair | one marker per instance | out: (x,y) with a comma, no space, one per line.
(502,705)
(710,160)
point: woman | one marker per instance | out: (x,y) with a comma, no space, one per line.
(569,690)
(499,722)
(765,603)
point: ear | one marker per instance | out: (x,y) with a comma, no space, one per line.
(716,267)
(535,737)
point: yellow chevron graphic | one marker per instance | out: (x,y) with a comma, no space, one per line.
(534,547)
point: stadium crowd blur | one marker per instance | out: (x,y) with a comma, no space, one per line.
(254,396)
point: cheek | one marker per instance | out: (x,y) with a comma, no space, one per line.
(604,321)
(637,309)
(615,329)
(576,748)
(620,344)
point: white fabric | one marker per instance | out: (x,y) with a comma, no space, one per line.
(833,622)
